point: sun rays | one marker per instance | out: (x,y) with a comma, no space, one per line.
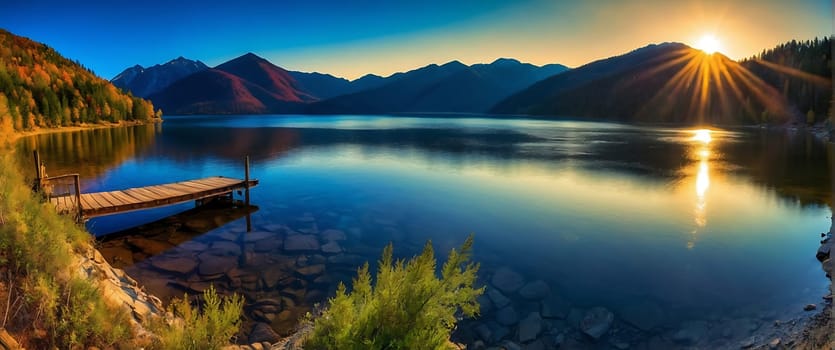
(707,88)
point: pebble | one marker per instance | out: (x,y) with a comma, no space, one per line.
(301,242)
(810,307)
(596,322)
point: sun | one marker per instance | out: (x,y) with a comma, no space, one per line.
(702,135)
(708,44)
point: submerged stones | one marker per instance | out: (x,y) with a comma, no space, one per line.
(262,332)
(181,265)
(498,299)
(333,235)
(530,327)
(554,306)
(535,290)
(301,243)
(331,248)
(507,316)
(217,265)
(507,280)
(596,322)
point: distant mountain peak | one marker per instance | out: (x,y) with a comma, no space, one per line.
(369,76)
(143,82)
(250,55)
(454,63)
(502,61)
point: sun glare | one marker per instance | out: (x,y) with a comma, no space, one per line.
(708,44)
(702,135)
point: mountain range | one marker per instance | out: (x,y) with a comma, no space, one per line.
(668,82)
(144,82)
(250,84)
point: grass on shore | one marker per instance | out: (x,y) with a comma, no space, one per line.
(44,303)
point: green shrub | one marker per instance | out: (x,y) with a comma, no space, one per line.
(84,319)
(37,250)
(409,308)
(209,328)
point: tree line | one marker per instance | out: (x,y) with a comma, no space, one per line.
(783,67)
(41,88)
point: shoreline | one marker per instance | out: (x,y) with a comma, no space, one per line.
(80,127)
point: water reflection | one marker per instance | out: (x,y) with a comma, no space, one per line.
(91,153)
(701,144)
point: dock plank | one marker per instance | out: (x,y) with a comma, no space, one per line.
(120,201)
(94,201)
(125,197)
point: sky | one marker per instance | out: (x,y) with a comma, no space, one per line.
(353,38)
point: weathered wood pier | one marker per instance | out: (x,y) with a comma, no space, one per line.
(64,192)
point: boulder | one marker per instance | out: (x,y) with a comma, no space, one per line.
(498,332)
(311,270)
(217,265)
(507,280)
(484,304)
(824,249)
(301,243)
(148,246)
(267,245)
(535,290)
(596,322)
(225,248)
(497,298)
(530,327)
(262,332)
(178,264)
(258,236)
(507,316)
(483,332)
(554,307)
(333,235)
(198,225)
(331,248)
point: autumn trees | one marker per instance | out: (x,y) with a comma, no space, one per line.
(40,88)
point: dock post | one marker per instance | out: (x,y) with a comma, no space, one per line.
(246,186)
(37,185)
(246,179)
(77,180)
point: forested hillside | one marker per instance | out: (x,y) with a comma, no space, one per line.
(802,72)
(40,88)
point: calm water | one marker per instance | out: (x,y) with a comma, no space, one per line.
(607,215)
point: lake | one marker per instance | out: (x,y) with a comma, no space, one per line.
(689,238)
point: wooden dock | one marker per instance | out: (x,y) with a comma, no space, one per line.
(64,192)
(115,202)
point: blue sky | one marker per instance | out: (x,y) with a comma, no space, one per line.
(351,38)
